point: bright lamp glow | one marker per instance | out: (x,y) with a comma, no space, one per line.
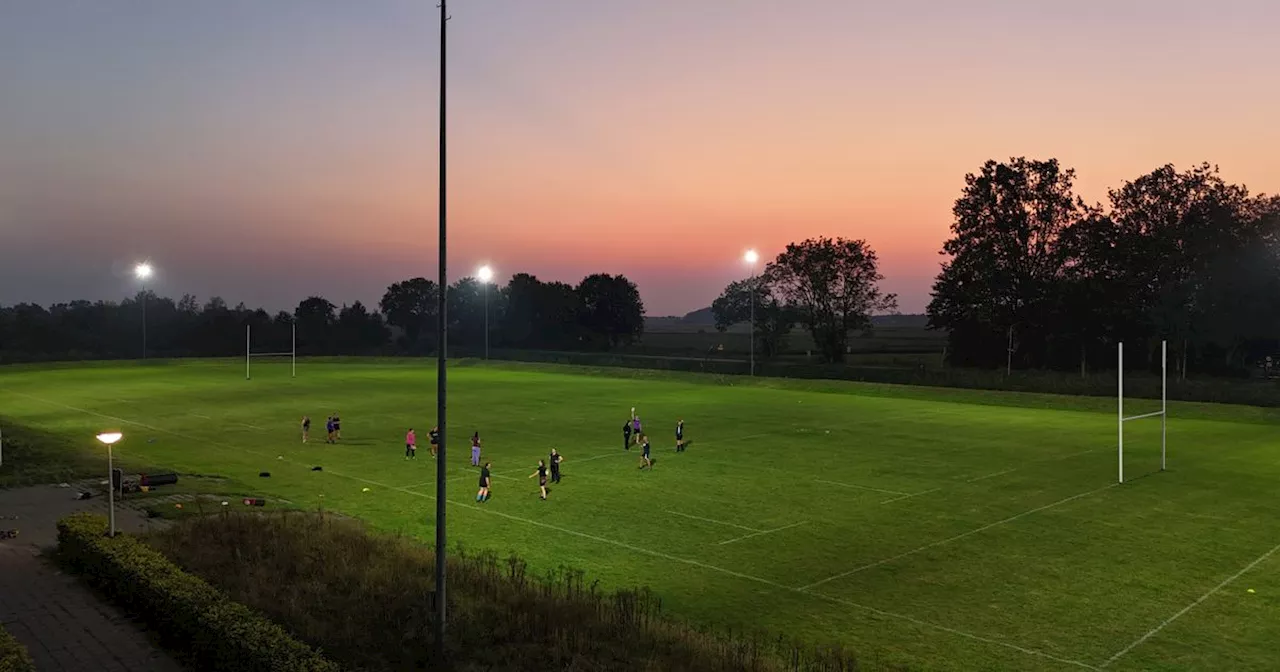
(109,438)
(751,257)
(485,273)
(142,271)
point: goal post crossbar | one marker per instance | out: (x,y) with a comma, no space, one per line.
(292,354)
(1163,413)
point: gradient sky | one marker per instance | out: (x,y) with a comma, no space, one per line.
(263,150)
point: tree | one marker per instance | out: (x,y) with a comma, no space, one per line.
(466,312)
(412,307)
(1004,260)
(774,320)
(611,311)
(832,284)
(359,331)
(315,317)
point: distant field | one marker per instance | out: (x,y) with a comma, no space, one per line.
(942,529)
(693,340)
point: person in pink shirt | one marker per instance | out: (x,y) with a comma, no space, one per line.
(410,445)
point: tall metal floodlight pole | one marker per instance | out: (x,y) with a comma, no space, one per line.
(143,272)
(751,257)
(443,335)
(486,275)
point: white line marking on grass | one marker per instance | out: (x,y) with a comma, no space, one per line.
(611,542)
(898,499)
(983,478)
(957,537)
(202,417)
(245,424)
(756,534)
(717,522)
(1191,606)
(862,487)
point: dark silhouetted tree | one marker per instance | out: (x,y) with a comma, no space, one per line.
(611,312)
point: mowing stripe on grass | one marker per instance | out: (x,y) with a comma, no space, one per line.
(611,542)
(717,522)
(957,537)
(760,532)
(983,478)
(1137,642)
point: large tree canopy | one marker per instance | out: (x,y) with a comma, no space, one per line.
(833,284)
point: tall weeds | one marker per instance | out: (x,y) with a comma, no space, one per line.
(366,600)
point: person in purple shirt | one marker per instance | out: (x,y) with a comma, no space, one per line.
(635,426)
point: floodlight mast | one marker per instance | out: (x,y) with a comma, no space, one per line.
(486,274)
(441,356)
(143,272)
(751,257)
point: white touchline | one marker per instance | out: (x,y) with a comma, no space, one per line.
(202,417)
(1262,558)
(861,487)
(760,532)
(898,499)
(948,540)
(611,542)
(716,522)
(245,424)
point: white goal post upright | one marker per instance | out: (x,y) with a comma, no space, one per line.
(1163,412)
(292,354)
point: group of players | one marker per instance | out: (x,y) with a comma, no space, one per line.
(548,469)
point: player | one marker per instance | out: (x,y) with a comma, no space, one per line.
(306,428)
(644,452)
(485,478)
(328,426)
(626,435)
(475,449)
(635,426)
(410,445)
(541,473)
(680,436)
(337,428)
(554,461)
(434,435)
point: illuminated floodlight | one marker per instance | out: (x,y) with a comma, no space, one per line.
(751,257)
(143,271)
(485,273)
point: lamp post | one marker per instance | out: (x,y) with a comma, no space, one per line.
(143,272)
(751,258)
(109,439)
(486,275)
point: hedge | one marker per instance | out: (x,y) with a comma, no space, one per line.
(13,655)
(199,619)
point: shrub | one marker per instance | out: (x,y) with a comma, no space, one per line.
(199,620)
(13,655)
(367,598)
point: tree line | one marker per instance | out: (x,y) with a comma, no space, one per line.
(601,312)
(1035,277)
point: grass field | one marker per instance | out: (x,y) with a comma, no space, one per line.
(942,529)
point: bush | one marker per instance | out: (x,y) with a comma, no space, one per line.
(199,620)
(13,655)
(368,599)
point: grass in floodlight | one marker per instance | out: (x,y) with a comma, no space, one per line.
(935,528)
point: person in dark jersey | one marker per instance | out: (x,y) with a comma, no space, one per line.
(541,473)
(644,453)
(328,426)
(306,428)
(626,435)
(337,428)
(680,436)
(554,461)
(434,437)
(485,479)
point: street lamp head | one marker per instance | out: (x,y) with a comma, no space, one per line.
(751,257)
(485,273)
(143,271)
(109,438)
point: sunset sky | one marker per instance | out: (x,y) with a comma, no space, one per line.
(265,150)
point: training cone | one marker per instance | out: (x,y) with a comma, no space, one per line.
(1252,590)
(365,490)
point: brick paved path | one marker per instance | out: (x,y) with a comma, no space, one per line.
(64,625)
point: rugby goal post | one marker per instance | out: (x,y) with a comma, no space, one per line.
(1163,413)
(292,354)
